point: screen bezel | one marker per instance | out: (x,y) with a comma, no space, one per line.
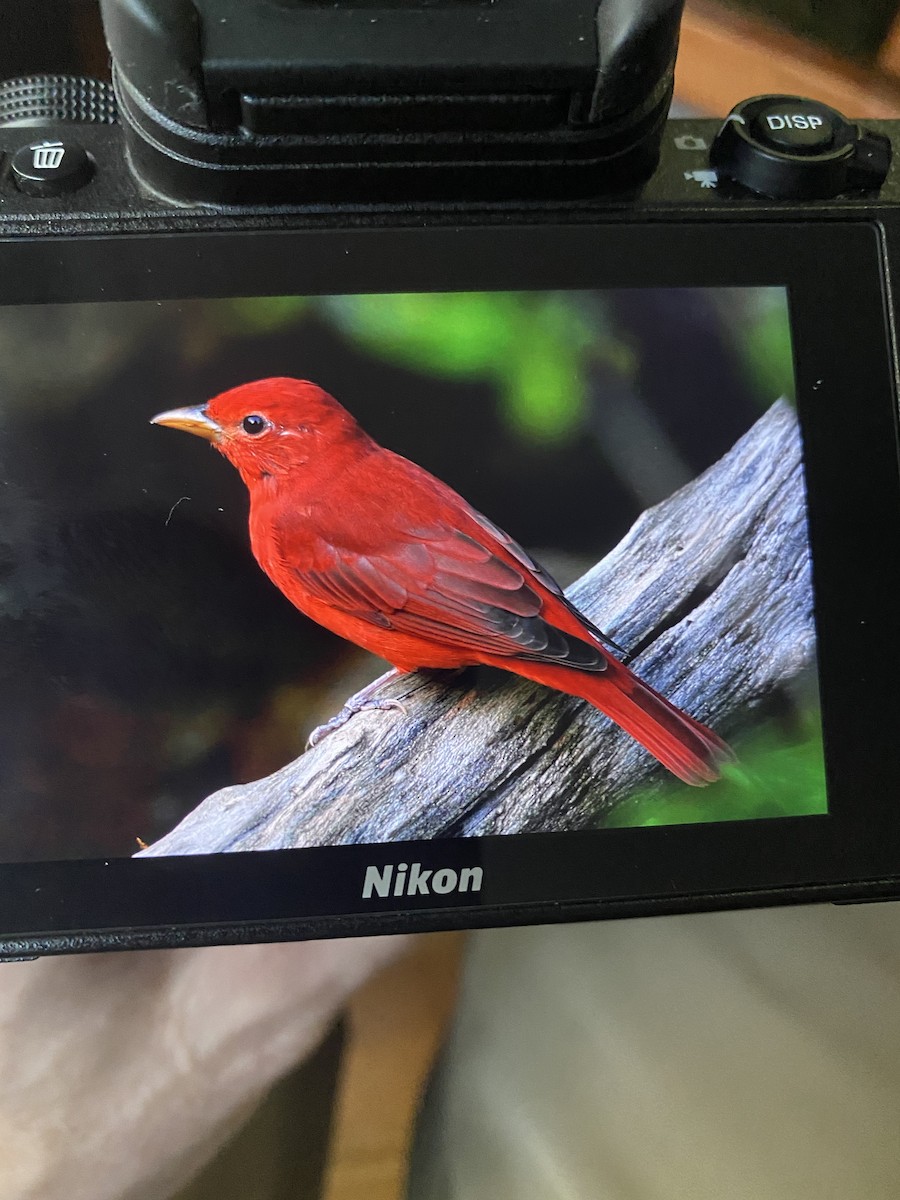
(834,278)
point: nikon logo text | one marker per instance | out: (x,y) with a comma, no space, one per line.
(413,881)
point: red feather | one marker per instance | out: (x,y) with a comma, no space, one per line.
(381,552)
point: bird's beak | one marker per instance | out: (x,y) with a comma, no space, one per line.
(191,420)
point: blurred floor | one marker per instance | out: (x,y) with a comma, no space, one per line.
(340,1126)
(718,1056)
(394,1028)
(280,1152)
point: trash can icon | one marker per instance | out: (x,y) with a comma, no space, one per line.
(48,156)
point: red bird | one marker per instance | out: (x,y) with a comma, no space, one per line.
(374,548)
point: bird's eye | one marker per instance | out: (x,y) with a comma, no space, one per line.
(254,424)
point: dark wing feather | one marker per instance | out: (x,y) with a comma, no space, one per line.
(534,568)
(455,590)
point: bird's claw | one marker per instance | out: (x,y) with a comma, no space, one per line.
(349,710)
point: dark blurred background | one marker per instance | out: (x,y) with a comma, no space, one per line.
(846,54)
(827,46)
(66,35)
(855,30)
(62,36)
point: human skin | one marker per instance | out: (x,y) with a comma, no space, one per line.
(121,1074)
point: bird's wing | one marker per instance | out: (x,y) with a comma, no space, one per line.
(475,590)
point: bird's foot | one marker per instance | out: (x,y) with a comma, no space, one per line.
(350,710)
(363,701)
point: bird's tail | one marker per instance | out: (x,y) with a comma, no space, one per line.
(689,749)
(686,747)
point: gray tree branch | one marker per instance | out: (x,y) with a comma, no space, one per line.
(712,587)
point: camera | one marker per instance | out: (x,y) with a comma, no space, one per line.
(580,419)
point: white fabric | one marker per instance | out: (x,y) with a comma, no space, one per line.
(728,1056)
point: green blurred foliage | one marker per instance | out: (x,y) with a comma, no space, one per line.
(764,342)
(533,347)
(769,779)
(259,315)
(536,349)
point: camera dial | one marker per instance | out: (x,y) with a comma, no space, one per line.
(54,163)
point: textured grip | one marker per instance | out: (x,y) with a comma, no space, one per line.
(36,100)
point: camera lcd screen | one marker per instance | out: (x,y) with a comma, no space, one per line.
(161,676)
(621,493)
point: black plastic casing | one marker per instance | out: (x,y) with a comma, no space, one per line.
(838,259)
(233,102)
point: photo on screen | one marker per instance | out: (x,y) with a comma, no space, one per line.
(576,520)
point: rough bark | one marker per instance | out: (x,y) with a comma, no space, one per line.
(712,590)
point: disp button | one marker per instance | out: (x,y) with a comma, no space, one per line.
(799,127)
(791,148)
